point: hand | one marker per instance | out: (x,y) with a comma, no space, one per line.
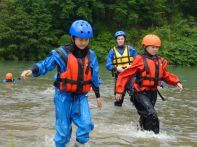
(26,73)
(99,103)
(118,97)
(119,69)
(180,86)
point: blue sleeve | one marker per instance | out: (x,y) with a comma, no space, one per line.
(132,51)
(95,73)
(95,69)
(109,63)
(48,64)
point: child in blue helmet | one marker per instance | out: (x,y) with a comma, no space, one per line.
(119,58)
(77,73)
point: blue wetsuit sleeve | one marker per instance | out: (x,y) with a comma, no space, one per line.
(132,51)
(109,63)
(95,74)
(48,64)
(42,67)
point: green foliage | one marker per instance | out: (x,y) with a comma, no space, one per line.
(29,29)
(179,43)
(26,31)
(64,39)
(102,44)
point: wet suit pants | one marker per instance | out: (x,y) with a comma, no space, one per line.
(72,108)
(144,103)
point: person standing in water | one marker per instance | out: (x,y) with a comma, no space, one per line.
(150,70)
(119,58)
(77,73)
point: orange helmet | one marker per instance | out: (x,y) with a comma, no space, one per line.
(9,76)
(152,40)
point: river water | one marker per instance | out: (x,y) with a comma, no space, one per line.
(28,118)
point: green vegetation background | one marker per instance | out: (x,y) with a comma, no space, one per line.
(29,29)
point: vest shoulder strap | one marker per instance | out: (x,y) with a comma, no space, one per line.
(145,64)
(67,48)
(128,53)
(115,51)
(63,57)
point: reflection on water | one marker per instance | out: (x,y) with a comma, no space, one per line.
(28,119)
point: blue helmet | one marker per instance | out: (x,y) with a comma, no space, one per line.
(119,33)
(81,29)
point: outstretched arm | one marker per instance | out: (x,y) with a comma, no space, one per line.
(169,78)
(42,67)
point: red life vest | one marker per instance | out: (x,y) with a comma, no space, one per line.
(78,75)
(151,76)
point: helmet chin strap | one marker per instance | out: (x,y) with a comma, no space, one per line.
(72,38)
(149,55)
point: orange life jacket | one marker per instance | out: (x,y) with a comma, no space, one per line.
(78,75)
(151,77)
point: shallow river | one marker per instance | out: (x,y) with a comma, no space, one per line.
(28,118)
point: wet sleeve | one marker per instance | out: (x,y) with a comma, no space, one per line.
(169,78)
(42,67)
(128,74)
(133,52)
(109,63)
(95,74)
(35,69)
(96,91)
